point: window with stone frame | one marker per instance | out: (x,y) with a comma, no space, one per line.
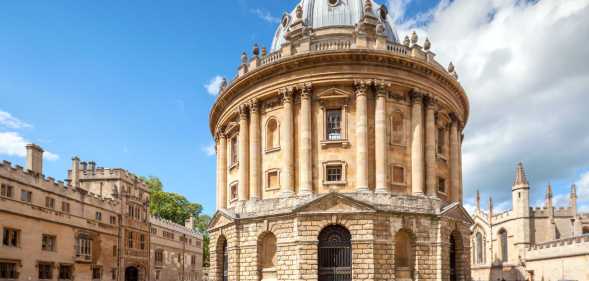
(333,124)
(84,246)
(142,241)
(233,189)
(398,174)
(441,141)
(397,128)
(130,239)
(96,273)
(49,203)
(10,237)
(334,173)
(234,150)
(65,272)
(272,180)
(98,216)
(8,270)
(26,196)
(157,275)
(441,185)
(48,242)
(159,257)
(193,260)
(114,251)
(45,270)
(113,220)
(114,274)
(503,246)
(6,190)
(272,134)
(65,207)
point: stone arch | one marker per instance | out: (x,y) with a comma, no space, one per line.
(405,254)
(272,133)
(135,272)
(221,271)
(267,250)
(503,245)
(335,253)
(456,256)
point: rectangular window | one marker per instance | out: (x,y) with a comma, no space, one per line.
(441,140)
(98,216)
(159,257)
(48,243)
(398,175)
(49,203)
(234,191)
(157,275)
(273,180)
(114,251)
(442,185)
(154,231)
(84,246)
(6,190)
(113,220)
(234,150)
(65,272)
(45,271)
(397,128)
(334,126)
(8,270)
(142,241)
(96,273)
(193,260)
(11,237)
(334,173)
(26,196)
(65,207)
(129,239)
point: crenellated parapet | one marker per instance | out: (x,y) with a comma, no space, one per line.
(167,224)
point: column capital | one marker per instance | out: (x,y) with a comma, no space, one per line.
(381,90)
(254,105)
(286,94)
(306,90)
(220,134)
(361,87)
(243,109)
(416,96)
(431,102)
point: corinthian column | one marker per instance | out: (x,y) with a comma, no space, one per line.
(380,140)
(306,167)
(417,157)
(287,139)
(454,160)
(430,146)
(242,192)
(255,150)
(361,136)
(221,169)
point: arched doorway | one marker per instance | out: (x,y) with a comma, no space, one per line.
(225,262)
(131,274)
(453,261)
(335,254)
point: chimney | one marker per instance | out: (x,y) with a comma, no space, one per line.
(189,223)
(34,158)
(84,166)
(92,166)
(75,171)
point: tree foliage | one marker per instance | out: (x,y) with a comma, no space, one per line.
(176,208)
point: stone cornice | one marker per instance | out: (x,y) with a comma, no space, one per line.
(353,56)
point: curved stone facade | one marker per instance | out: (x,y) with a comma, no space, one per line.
(340,126)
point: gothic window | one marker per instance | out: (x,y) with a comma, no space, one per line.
(334,124)
(398,174)
(335,254)
(267,255)
(234,150)
(503,246)
(479,248)
(404,255)
(272,134)
(397,128)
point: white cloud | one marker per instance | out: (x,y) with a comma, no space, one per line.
(214,85)
(522,64)
(209,149)
(265,15)
(583,192)
(13,144)
(11,122)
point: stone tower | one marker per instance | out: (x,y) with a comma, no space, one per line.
(521,209)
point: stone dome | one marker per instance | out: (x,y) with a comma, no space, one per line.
(318,14)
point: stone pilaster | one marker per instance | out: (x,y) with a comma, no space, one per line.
(287,136)
(417,155)
(454,160)
(430,146)
(361,136)
(221,140)
(242,192)
(380,140)
(305,146)
(255,150)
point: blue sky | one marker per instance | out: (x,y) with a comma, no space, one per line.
(123,82)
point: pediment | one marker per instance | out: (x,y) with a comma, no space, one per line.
(334,203)
(220,218)
(333,94)
(457,212)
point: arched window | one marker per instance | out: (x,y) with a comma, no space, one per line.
(479,253)
(503,245)
(404,255)
(272,134)
(222,259)
(397,128)
(267,256)
(335,254)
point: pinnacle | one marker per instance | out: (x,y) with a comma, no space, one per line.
(520,175)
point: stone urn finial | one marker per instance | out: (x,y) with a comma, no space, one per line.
(414,38)
(406,41)
(380,29)
(264,52)
(368,7)
(256,50)
(299,12)
(451,67)
(244,58)
(427,44)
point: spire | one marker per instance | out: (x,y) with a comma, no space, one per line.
(548,200)
(490,210)
(478,200)
(573,202)
(574,191)
(520,176)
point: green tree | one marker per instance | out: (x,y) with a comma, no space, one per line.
(175,207)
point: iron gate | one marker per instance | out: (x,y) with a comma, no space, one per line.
(335,254)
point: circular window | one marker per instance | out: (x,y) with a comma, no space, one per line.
(285,20)
(333,2)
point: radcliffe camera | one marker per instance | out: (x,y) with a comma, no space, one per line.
(294,140)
